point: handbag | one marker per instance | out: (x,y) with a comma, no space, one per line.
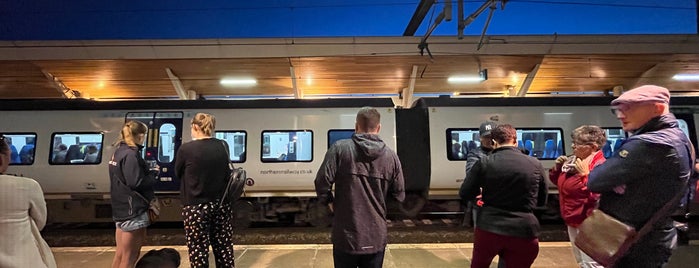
(235,187)
(606,239)
(153,207)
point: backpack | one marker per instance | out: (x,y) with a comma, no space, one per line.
(235,188)
(236,182)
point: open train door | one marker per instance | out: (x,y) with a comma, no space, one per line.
(163,140)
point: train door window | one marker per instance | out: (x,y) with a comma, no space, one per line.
(339,134)
(236,140)
(542,143)
(615,137)
(287,146)
(460,141)
(76,148)
(21,147)
(166,143)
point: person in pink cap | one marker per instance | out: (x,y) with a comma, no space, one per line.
(646,173)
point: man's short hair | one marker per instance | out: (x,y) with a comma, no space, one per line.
(504,133)
(368,118)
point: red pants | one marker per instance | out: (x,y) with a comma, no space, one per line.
(514,251)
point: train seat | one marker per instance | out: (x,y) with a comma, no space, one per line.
(550,149)
(464,147)
(617,145)
(74,153)
(607,149)
(472,145)
(529,145)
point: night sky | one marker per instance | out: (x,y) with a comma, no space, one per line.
(159,19)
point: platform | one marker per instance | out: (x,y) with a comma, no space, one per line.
(443,255)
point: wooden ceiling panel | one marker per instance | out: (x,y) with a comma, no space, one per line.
(345,74)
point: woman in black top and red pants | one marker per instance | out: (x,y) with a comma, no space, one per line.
(202,166)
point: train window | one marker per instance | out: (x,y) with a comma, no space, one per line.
(287,146)
(460,141)
(237,152)
(73,148)
(21,147)
(166,143)
(339,134)
(542,143)
(615,137)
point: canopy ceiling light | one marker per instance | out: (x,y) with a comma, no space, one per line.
(238,82)
(686,77)
(482,76)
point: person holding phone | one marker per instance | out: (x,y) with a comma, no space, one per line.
(131,188)
(570,175)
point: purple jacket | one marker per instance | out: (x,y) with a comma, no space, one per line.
(364,172)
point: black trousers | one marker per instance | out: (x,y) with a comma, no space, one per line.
(346,260)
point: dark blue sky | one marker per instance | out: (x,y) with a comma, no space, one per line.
(187,19)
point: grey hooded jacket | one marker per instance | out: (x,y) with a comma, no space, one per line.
(364,172)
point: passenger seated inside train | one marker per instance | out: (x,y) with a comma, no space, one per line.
(59,156)
(92,154)
(74,153)
(456,151)
(14,154)
(26,155)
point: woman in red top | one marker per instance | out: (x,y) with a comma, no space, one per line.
(570,175)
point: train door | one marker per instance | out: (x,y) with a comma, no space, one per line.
(163,140)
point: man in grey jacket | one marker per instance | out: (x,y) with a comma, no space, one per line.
(365,171)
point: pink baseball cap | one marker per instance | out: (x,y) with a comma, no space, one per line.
(647,93)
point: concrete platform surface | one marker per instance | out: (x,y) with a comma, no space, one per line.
(443,255)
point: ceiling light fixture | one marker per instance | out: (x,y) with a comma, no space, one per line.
(686,77)
(482,76)
(464,79)
(238,82)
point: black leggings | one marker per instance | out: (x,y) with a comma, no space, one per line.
(206,224)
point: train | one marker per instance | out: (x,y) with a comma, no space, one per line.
(65,145)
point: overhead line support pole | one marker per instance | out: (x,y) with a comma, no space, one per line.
(418,17)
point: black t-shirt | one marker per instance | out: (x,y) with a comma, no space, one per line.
(202,167)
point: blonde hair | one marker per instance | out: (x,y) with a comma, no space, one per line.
(130,131)
(205,122)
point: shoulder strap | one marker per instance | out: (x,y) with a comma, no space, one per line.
(228,154)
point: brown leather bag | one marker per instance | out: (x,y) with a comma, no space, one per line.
(604,238)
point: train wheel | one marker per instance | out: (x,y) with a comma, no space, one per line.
(319,215)
(242,211)
(412,205)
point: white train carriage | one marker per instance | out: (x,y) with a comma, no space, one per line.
(281,144)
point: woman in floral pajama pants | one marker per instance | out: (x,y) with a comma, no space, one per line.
(203,167)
